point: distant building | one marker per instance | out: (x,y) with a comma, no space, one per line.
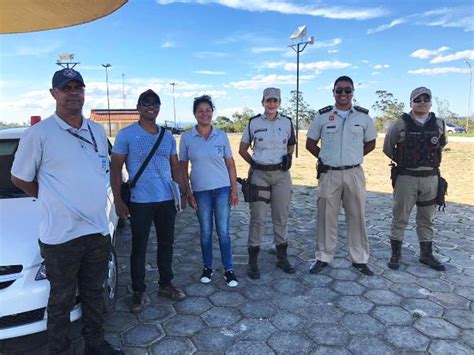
(119,119)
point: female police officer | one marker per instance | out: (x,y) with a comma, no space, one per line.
(273,139)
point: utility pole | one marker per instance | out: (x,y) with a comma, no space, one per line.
(107,66)
(298,48)
(469,95)
(173,84)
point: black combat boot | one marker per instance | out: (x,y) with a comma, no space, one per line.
(394,262)
(427,258)
(253,263)
(282,256)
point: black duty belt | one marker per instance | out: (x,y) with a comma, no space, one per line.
(417,173)
(270,167)
(345,167)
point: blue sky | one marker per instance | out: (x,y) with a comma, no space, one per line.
(232,49)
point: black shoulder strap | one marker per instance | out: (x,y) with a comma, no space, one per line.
(148,158)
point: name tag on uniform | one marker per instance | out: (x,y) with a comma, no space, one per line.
(260,130)
(104,164)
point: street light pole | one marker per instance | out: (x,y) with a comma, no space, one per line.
(298,48)
(469,94)
(107,66)
(173,84)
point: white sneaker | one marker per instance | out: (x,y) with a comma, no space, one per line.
(230,278)
(206,275)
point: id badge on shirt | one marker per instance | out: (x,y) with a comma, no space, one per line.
(104,163)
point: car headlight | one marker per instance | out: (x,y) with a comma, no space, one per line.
(41,274)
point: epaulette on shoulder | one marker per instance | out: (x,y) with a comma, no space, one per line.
(325,109)
(285,116)
(251,118)
(361,109)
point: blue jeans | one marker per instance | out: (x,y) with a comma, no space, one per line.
(214,203)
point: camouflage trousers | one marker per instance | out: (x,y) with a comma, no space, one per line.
(79,264)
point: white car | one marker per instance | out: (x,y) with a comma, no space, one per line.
(24,289)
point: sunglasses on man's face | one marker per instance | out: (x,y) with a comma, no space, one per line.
(346,90)
(422,99)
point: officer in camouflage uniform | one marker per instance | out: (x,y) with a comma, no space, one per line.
(415,142)
(347,133)
(273,139)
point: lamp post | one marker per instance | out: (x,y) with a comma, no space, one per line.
(173,84)
(298,48)
(107,66)
(469,94)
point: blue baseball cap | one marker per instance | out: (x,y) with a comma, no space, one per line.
(64,76)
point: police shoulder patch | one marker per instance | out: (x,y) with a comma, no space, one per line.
(256,116)
(361,109)
(325,109)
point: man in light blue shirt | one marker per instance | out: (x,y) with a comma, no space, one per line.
(151,198)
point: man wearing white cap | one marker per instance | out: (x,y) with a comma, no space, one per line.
(273,139)
(414,142)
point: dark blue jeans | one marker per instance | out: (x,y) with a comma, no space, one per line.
(163,215)
(214,203)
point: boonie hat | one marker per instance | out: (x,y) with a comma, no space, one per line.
(420,91)
(271,93)
(148,95)
(64,76)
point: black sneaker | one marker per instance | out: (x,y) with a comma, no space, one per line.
(363,268)
(206,275)
(230,278)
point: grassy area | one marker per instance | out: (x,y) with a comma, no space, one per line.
(457,167)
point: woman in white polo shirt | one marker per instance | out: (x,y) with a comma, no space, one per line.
(214,186)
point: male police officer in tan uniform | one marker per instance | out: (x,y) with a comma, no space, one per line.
(273,140)
(347,133)
(415,142)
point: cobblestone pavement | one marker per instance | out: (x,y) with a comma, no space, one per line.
(412,310)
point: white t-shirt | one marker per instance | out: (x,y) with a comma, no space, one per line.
(72,176)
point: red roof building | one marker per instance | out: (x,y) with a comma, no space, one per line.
(119,118)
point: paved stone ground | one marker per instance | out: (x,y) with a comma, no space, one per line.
(409,311)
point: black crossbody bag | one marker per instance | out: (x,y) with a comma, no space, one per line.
(126,188)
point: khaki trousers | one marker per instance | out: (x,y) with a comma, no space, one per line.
(408,190)
(347,186)
(280,182)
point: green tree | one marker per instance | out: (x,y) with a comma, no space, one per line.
(240,119)
(388,109)
(305,113)
(444,111)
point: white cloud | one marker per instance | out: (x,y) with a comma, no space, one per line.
(467,54)
(168,44)
(364,61)
(38,50)
(387,26)
(288,7)
(329,43)
(268,49)
(331,51)
(261,81)
(438,71)
(455,17)
(318,66)
(381,66)
(427,53)
(375,73)
(209,72)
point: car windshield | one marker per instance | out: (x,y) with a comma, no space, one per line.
(8,148)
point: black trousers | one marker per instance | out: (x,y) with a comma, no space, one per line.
(163,215)
(81,264)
